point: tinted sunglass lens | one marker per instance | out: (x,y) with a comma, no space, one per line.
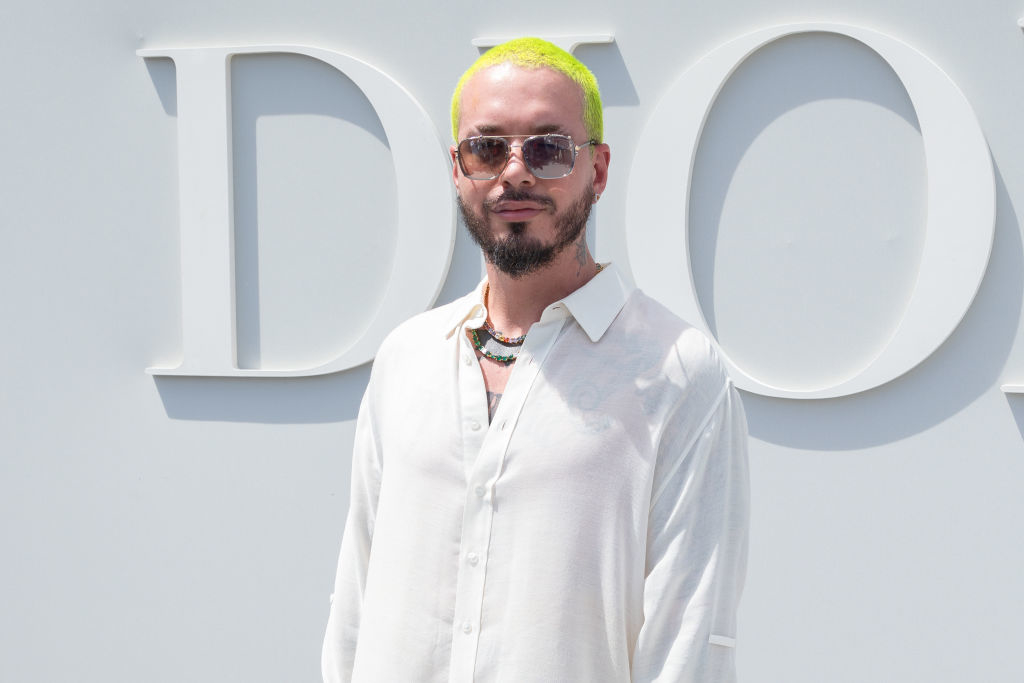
(483,157)
(548,156)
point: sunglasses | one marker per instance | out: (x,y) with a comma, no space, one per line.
(484,157)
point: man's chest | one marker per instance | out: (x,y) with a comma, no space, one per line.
(495,375)
(565,412)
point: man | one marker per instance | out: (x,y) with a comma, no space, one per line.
(549,478)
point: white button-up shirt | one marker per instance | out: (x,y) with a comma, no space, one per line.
(595,530)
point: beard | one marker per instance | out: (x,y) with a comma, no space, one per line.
(518,254)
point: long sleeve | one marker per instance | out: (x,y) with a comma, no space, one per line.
(346,603)
(696,552)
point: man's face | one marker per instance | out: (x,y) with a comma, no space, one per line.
(522,222)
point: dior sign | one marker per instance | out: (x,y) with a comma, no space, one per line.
(958,240)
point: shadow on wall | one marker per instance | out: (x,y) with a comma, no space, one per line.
(292,400)
(969,363)
(607,65)
(1016,402)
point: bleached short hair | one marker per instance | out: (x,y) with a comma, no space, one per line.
(534,53)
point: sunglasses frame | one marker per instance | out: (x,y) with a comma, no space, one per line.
(507,139)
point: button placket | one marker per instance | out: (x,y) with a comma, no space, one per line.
(469,592)
(473,411)
(483,479)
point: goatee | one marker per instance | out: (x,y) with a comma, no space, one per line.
(518,254)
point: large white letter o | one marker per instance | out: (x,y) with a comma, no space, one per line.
(960,203)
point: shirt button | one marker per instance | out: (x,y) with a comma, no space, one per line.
(479,491)
(475,426)
(503,424)
(473,559)
(467,360)
(467,628)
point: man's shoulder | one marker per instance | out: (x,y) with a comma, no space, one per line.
(687,351)
(643,315)
(426,328)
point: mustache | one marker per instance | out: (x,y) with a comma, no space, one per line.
(514,195)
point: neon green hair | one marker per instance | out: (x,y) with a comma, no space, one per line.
(534,53)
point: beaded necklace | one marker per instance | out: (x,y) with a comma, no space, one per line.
(495,349)
(496,345)
(493,344)
(511,341)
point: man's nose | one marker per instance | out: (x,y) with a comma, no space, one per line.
(515,172)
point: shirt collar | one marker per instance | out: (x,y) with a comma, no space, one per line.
(468,308)
(594,305)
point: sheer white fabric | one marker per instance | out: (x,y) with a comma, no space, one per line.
(595,530)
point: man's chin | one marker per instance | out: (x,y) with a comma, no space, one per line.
(511,248)
(517,254)
(499,229)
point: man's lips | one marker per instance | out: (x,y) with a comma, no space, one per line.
(519,214)
(514,211)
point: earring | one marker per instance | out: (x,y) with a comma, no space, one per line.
(596,198)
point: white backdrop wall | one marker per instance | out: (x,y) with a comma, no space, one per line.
(181,528)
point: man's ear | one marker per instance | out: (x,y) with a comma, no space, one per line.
(455,166)
(601,156)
